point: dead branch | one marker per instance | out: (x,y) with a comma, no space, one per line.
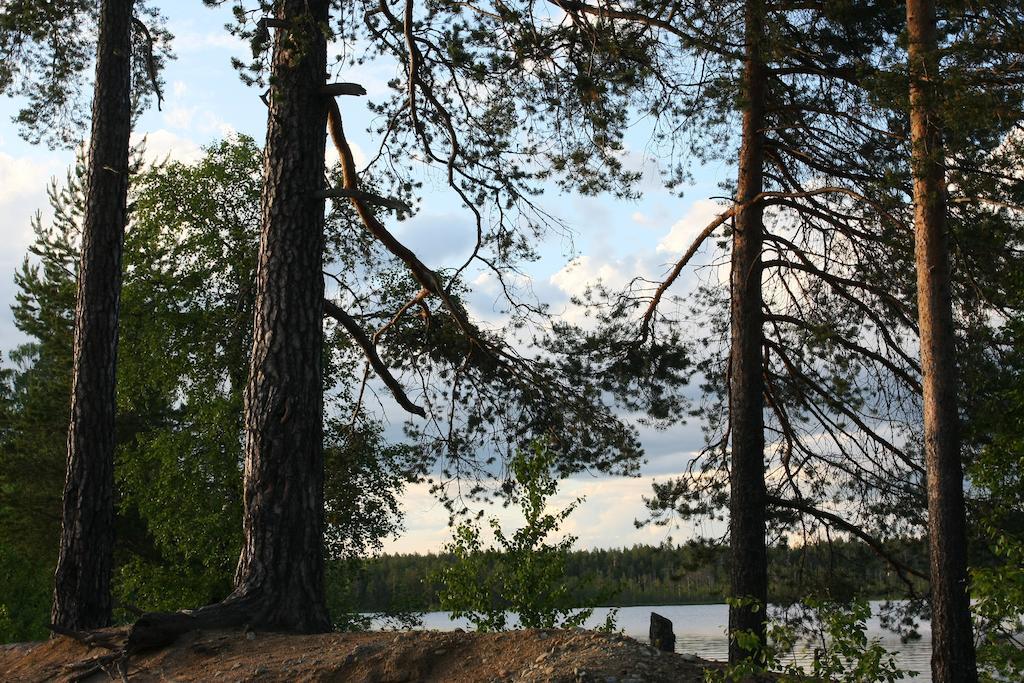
(368,197)
(681,263)
(81,671)
(424,275)
(335,89)
(370,351)
(150,61)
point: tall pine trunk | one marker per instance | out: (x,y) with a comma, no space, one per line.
(749,564)
(953,658)
(81,597)
(281,568)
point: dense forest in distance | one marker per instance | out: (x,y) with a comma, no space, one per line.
(654,575)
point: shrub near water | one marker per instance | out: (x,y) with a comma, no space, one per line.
(837,637)
(523,573)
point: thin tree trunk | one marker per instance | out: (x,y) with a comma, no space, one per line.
(81,597)
(281,568)
(749,563)
(953,657)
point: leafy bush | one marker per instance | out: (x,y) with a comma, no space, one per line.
(837,637)
(523,573)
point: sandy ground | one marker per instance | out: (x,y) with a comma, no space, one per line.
(371,657)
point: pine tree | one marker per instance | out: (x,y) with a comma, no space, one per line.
(52,56)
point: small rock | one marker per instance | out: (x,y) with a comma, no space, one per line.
(689,658)
(541,658)
(543,635)
(440,652)
(250,635)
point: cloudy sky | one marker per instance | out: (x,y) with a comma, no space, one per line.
(612,241)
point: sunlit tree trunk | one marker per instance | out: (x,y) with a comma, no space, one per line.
(81,597)
(953,658)
(749,565)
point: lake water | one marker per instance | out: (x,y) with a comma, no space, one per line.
(700,630)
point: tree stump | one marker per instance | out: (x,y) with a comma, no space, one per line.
(661,633)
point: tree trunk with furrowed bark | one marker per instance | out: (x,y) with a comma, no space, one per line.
(279,581)
(953,657)
(749,555)
(81,596)
(281,568)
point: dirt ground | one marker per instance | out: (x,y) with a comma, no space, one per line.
(372,657)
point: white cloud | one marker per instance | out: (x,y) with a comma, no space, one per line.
(202,121)
(23,183)
(686,229)
(210,124)
(618,271)
(177,116)
(163,145)
(604,520)
(584,271)
(358,155)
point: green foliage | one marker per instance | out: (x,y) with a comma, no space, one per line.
(990,240)
(46,55)
(997,578)
(35,413)
(25,600)
(841,649)
(187,302)
(185,336)
(523,573)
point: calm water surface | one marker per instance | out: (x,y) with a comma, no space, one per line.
(700,630)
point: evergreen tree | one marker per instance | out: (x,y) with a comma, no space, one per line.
(31,32)
(952,639)
(190,254)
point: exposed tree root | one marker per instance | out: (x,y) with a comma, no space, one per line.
(155,630)
(114,665)
(158,629)
(107,638)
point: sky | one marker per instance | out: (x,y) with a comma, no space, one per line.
(612,241)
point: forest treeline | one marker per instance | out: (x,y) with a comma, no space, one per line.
(653,575)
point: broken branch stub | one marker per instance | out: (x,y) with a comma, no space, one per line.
(336,89)
(368,197)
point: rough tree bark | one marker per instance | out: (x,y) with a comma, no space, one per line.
(279,582)
(953,657)
(81,597)
(281,568)
(749,563)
